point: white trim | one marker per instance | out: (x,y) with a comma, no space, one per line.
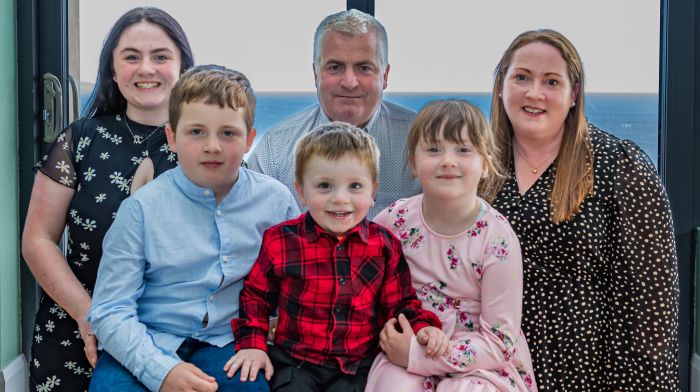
(695,373)
(13,377)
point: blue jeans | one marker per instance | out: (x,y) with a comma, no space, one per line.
(110,375)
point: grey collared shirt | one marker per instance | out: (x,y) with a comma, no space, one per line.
(274,153)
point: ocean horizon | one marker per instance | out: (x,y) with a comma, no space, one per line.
(632,116)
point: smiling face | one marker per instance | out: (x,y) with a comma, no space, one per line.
(338,193)
(448,171)
(349,77)
(210,142)
(537,92)
(146,65)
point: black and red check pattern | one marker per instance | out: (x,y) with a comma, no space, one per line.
(334,295)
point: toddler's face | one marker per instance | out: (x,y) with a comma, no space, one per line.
(338,193)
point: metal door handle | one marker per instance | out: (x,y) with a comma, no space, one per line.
(53,108)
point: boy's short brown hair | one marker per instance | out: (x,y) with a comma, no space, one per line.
(213,84)
(334,140)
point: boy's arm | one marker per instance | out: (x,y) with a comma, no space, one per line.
(398,296)
(114,313)
(258,300)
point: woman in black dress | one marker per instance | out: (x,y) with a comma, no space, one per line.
(83,179)
(601,287)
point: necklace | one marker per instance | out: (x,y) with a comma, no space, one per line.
(138,139)
(534,169)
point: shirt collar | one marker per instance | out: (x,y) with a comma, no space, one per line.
(326,120)
(199,193)
(313,231)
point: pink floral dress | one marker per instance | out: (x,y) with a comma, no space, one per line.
(473,281)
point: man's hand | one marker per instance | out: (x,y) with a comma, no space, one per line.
(250,361)
(187,377)
(396,345)
(435,341)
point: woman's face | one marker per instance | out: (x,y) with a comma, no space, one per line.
(146,66)
(537,93)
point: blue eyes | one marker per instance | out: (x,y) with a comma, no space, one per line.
(328,186)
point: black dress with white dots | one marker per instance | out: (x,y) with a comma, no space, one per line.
(97,157)
(600,299)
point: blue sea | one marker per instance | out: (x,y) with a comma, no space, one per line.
(628,116)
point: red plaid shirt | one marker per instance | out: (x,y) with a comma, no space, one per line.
(334,296)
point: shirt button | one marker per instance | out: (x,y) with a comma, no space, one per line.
(196,334)
(224,258)
(211,298)
(342,282)
(218,212)
(338,309)
(207,192)
(335,341)
(339,247)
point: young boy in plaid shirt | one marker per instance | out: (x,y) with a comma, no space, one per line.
(336,277)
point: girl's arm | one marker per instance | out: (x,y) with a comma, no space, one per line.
(494,343)
(46,219)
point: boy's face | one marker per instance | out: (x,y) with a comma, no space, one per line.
(210,142)
(338,193)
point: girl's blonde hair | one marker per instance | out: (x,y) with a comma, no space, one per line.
(573,179)
(448,118)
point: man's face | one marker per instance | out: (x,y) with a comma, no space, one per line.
(349,77)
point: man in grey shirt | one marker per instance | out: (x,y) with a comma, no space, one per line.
(351,70)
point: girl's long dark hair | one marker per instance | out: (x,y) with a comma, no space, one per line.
(106,97)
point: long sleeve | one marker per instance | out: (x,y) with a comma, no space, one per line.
(642,299)
(492,345)
(120,283)
(398,295)
(258,301)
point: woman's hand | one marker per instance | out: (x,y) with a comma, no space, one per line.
(90,341)
(396,345)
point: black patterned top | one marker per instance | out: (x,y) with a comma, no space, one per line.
(601,290)
(97,157)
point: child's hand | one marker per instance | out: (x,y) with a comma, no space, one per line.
(187,377)
(396,345)
(273,327)
(250,361)
(435,341)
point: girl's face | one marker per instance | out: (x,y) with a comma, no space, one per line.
(146,66)
(537,93)
(447,170)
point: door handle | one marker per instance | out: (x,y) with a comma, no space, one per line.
(53,108)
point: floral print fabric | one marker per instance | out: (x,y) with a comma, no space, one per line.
(97,157)
(473,282)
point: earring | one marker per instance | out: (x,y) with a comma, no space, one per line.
(484,174)
(573,104)
(500,95)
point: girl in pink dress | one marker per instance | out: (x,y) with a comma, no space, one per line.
(465,264)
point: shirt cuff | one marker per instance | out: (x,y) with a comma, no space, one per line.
(157,370)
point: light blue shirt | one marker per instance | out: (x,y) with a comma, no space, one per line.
(173,265)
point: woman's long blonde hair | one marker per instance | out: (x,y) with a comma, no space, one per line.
(574,164)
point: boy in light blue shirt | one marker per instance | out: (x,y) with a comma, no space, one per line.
(175,257)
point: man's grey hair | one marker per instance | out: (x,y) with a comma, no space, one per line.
(352,22)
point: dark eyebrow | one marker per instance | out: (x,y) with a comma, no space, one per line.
(157,50)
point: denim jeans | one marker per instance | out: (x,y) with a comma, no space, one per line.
(110,375)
